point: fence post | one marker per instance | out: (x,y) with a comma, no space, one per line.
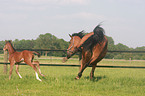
(5,61)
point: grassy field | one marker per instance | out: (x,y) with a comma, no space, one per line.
(59,81)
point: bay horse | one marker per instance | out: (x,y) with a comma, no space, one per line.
(18,57)
(93,48)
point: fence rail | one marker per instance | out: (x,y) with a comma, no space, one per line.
(100,66)
(69,65)
(115,51)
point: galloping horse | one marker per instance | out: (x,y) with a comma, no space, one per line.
(18,57)
(93,47)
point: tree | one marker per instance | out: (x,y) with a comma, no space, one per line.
(24,44)
(122,47)
(2,43)
(48,41)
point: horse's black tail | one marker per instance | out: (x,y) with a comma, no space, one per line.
(98,34)
(94,39)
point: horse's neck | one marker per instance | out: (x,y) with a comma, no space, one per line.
(11,50)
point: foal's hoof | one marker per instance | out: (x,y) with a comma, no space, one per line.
(64,59)
(92,79)
(39,80)
(77,78)
(42,75)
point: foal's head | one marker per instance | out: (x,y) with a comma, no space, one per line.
(74,41)
(8,45)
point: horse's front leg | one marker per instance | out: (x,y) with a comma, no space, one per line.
(11,69)
(83,66)
(81,71)
(78,77)
(84,63)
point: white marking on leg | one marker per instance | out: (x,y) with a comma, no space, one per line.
(19,75)
(22,59)
(39,70)
(37,76)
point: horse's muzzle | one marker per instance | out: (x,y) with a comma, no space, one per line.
(69,54)
(64,59)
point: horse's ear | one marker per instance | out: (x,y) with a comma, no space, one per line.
(70,35)
(6,41)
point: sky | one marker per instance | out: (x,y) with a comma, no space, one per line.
(123,20)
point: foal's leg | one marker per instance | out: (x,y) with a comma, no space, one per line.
(37,62)
(36,73)
(11,69)
(34,67)
(17,70)
(92,72)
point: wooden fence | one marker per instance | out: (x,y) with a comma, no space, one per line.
(5,63)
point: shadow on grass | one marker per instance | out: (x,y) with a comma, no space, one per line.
(96,79)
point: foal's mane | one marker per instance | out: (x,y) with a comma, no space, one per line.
(80,34)
(11,44)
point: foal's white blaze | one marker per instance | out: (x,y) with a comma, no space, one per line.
(37,76)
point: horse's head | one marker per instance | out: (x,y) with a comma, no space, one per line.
(74,41)
(6,45)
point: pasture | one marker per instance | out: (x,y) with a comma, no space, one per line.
(59,81)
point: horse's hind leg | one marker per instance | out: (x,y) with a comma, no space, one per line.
(17,70)
(34,67)
(36,73)
(37,62)
(84,67)
(92,72)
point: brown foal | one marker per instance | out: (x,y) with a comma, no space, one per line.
(18,57)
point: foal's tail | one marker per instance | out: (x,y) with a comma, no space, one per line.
(38,54)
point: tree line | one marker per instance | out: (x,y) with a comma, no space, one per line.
(49,41)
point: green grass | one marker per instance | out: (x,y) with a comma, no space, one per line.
(59,81)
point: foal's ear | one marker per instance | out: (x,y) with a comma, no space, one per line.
(70,35)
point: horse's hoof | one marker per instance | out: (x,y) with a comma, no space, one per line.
(39,80)
(77,78)
(42,75)
(64,59)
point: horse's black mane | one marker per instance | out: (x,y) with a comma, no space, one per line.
(80,34)
(97,38)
